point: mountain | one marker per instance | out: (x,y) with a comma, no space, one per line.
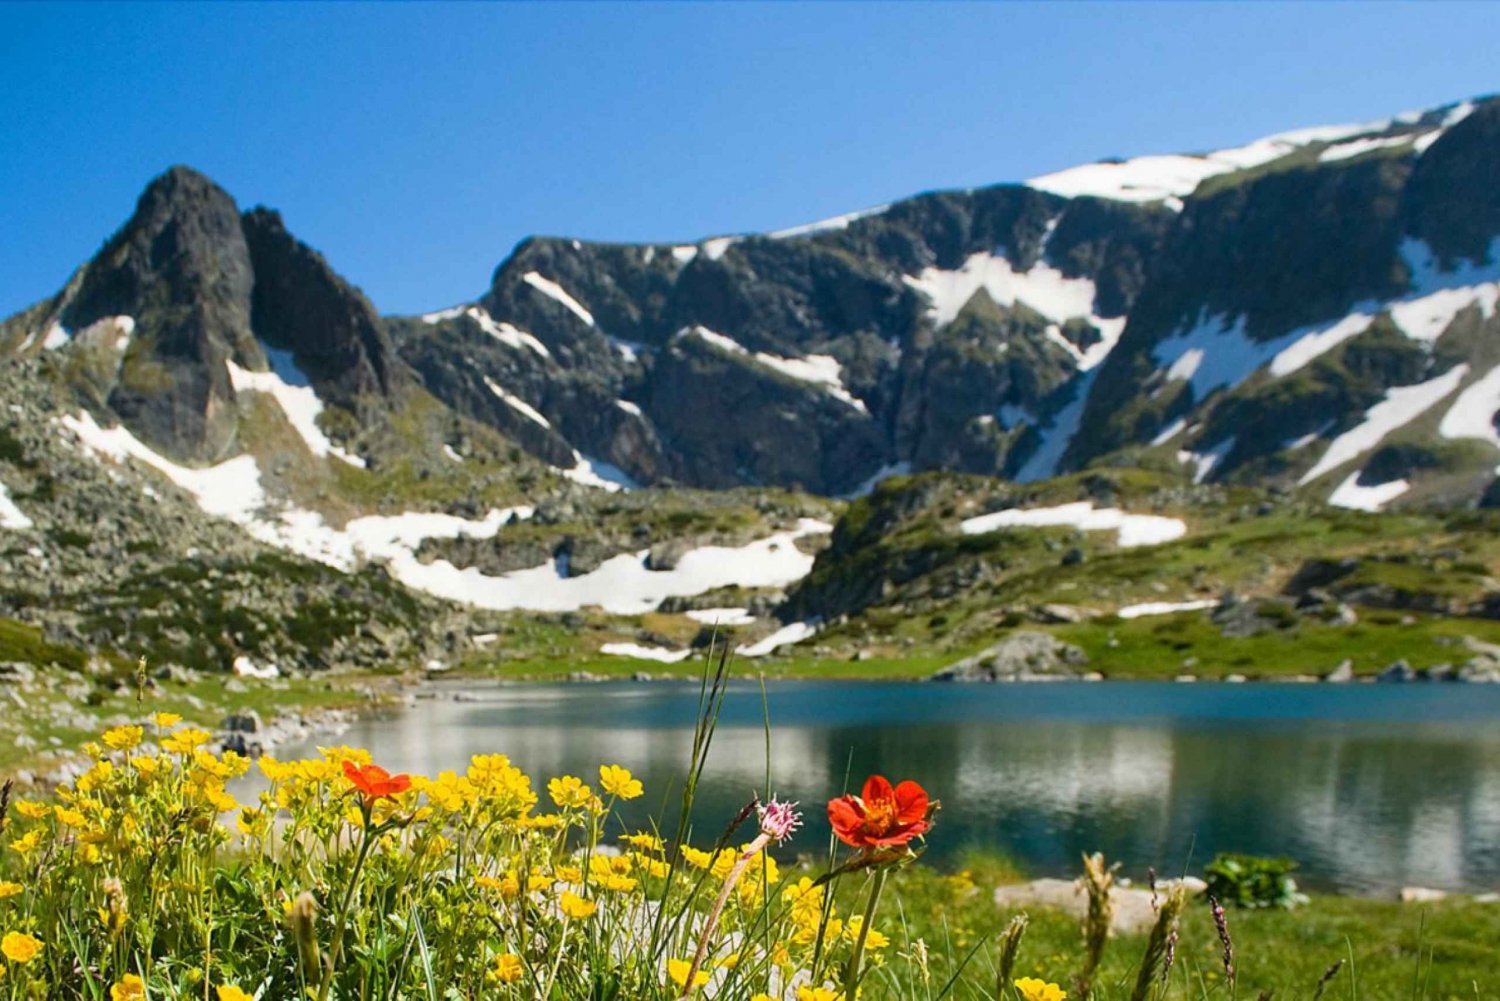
(1308,318)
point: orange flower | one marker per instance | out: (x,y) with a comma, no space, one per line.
(881,816)
(374,782)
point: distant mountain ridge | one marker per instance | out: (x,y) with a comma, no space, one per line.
(1295,311)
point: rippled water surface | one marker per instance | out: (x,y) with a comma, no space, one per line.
(1370,787)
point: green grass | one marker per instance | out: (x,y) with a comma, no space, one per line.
(1446,950)
(1159,646)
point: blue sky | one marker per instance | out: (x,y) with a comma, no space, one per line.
(416,144)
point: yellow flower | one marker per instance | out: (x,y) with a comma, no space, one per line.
(1033,989)
(30,809)
(96,776)
(508,968)
(130,988)
(569,791)
(873,940)
(123,738)
(19,948)
(166,720)
(619,782)
(818,994)
(653,866)
(576,907)
(146,767)
(643,841)
(8,889)
(27,843)
(227,993)
(696,858)
(678,969)
(186,741)
(68,816)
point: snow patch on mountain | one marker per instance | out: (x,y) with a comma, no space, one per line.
(451,313)
(1402,404)
(516,403)
(638,652)
(1146,608)
(506,333)
(1043,288)
(1132,529)
(1351,494)
(1455,115)
(715,248)
(1058,434)
(289,386)
(785,636)
(12,517)
(552,290)
(721,616)
(598,473)
(1170,178)
(1438,295)
(1473,413)
(230,489)
(1204,463)
(826,225)
(1359,147)
(823,371)
(620,585)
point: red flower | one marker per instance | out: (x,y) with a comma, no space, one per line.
(374,782)
(880,817)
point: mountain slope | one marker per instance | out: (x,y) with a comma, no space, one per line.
(1018,330)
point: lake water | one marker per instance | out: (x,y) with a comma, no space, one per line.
(1369,787)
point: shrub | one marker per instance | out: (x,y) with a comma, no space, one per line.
(1252,882)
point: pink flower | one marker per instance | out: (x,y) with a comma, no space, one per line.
(778,820)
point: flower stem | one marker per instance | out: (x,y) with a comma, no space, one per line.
(338,931)
(751,850)
(856,962)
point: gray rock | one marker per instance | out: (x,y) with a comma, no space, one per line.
(1021,656)
(1397,673)
(243,722)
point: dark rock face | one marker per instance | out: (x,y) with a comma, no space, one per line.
(299,304)
(205,286)
(181,269)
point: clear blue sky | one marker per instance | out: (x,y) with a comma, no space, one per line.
(416,144)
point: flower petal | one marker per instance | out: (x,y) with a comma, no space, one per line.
(877,788)
(911,802)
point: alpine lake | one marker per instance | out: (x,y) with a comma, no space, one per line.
(1368,787)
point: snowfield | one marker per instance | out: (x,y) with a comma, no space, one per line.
(635,650)
(1165,608)
(552,290)
(1402,404)
(1132,529)
(1351,495)
(822,371)
(1043,288)
(621,585)
(293,392)
(11,516)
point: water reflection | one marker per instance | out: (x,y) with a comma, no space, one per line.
(1369,787)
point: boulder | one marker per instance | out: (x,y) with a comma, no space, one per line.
(1021,656)
(1398,673)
